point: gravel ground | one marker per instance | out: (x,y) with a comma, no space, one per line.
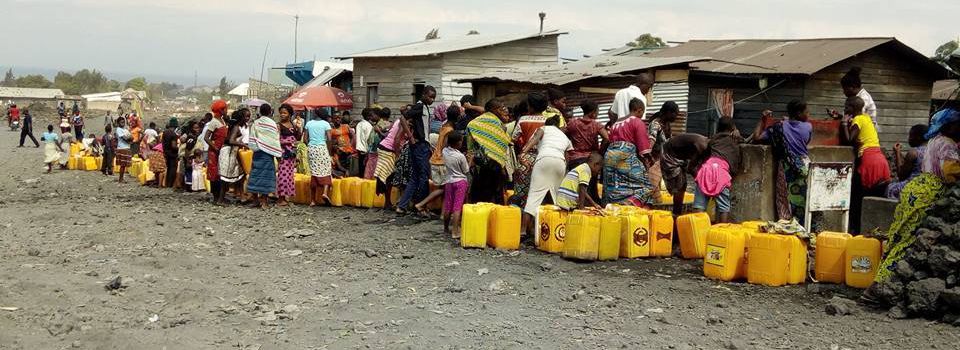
(194,276)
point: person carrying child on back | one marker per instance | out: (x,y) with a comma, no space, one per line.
(455,186)
(574,191)
(715,177)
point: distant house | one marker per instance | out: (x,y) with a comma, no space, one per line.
(396,76)
(109,101)
(24,97)
(755,75)
(596,78)
(321,73)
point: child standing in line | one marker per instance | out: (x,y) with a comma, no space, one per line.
(455,186)
(109,149)
(198,177)
(574,191)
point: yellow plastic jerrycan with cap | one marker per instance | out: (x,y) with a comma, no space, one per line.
(769,259)
(724,257)
(336,194)
(368,193)
(692,230)
(583,236)
(473,225)
(609,246)
(553,223)
(355,191)
(661,232)
(753,225)
(246,160)
(861,260)
(828,262)
(503,228)
(634,234)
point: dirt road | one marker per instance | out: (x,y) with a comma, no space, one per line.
(200,277)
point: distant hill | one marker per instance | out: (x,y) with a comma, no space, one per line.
(118,76)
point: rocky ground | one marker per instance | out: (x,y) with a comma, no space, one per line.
(194,276)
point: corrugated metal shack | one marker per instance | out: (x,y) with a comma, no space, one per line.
(766,74)
(597,78)
(395,76)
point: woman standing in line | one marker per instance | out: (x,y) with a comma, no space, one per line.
(231,172)
(215,138)
(525,127)
(289,134)
(265,143)
(548,169)
(51,148)
(321,166)
(388,151)
(627,159)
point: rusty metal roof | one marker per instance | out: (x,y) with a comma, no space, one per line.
(449,44)
(762,56)
(598,66)
(945,90)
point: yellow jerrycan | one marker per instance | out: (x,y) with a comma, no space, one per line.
(473,225)
(246,160)
(634,235)
(661,230)
(553,223)
(769,259)
(583,236)
(609,247)
(301,185)
(368,191)
(692,231)
(828,261)
(862,258)
(503,227)
(724,258)
(797,265)
(89,163)
(335,193)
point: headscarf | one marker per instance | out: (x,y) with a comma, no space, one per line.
(941,118)
(219,107)
(173,123)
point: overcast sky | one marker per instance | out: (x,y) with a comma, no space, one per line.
(173,38)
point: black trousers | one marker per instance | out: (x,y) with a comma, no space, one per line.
(107,167)
(24,133)
(171,175)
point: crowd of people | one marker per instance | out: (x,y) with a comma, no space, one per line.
(471,153)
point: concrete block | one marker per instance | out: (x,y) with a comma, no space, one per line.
(831,154)
(753,186)
(877,214)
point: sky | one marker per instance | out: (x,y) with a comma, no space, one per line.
(174,39)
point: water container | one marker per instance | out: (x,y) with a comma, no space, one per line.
(769,259)
(335,193)
(862,257)
(395,194)
(301,185)
(89,163)
(503,228)
(146,176)
(609,246)
(72,163)
(692,230)
(99,162)
(797,265)
(583,236)
(356,194)
(473,224)
(116,168)
(246,160)
(661,232)
(368,191)
(828,258)
(634,235)
(724,257)
(553,223)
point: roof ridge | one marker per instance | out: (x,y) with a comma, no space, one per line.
(798,39)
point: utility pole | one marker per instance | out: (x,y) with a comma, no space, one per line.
(296,27)
(194,78)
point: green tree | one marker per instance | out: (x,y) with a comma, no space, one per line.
(113,85)
(223,88)
(8,79)
(33,81)
(944,51)
(647,41)
(85,81)
(138,83)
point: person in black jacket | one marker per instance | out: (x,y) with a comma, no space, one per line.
(26,129)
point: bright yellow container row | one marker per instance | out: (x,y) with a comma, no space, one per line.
(487,224)
(618,232)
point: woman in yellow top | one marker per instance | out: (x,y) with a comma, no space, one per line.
(873,171)
(940,167)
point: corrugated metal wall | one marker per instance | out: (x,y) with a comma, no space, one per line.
(662,92)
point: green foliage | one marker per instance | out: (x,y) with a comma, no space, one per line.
(33,81)
(647,41)
(223,88)
(138,83)
(85,81)
(8,79)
